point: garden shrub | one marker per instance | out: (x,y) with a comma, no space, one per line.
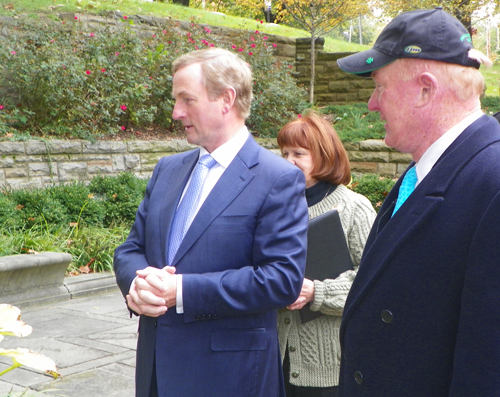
(79,202)
(120,196)
(372,186)
(39,208)
(67,80)
(9,215)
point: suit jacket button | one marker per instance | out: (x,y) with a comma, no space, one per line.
(295,374)
(358,377)
(387,316)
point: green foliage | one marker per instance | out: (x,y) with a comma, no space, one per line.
(120,196)
(69,218)
(355,122)
(372,186)
(79,203)
(68,81)
(88,222)
(38,208)
(490,104)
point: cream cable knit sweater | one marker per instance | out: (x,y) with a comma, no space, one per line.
(314,347)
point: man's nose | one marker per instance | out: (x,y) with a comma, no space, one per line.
(373,103)
(177,113)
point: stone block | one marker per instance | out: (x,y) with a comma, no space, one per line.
(104,147)
(50,181)
(51,147)
(28,159)
(363,167)
(401,167)
(152,146)
(16,173)
(24,183)
(127,162)
(398,157)
(379,157)
(41,169)
(6,161)
(100,168)
(11,148)
(374,145)
(72,171)
(386,169)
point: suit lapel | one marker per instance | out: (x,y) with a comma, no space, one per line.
(231,184)
(390,235)
(174,186)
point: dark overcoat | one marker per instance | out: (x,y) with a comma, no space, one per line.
(423,316)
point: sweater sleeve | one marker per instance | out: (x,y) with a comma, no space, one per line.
(357,216)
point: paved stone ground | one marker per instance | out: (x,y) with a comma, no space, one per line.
(91,339)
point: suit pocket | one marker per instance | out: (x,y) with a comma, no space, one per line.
(238,339)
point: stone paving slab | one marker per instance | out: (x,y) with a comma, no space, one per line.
(92,339)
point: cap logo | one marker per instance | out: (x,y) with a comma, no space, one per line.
(413,49)
(466,37)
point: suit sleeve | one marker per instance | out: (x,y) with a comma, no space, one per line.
(272,278)
(477,350)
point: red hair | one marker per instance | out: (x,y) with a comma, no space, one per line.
(314,133)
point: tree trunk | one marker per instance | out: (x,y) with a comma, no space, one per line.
(313,67)
(360,31)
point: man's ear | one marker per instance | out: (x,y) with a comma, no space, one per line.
(428,84)
(228,98)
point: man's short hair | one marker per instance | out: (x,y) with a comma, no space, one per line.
(222,69)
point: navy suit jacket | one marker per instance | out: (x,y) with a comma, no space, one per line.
(242,258)
(422,318)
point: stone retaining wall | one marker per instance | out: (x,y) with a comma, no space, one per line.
(37,164)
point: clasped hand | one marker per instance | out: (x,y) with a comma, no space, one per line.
(153,291)
(306,295)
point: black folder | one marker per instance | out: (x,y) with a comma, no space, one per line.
(327,254)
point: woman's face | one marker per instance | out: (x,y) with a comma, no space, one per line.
(302,158)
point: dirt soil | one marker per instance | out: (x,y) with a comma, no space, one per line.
(146,134)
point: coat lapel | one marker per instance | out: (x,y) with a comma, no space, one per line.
(232,183)
(390,235)
(174,186)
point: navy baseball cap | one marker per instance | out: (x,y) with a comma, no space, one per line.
(421,34)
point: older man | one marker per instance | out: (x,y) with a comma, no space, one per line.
(218,244)
(422,318)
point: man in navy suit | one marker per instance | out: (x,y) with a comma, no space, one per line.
(208,308)
(422,318)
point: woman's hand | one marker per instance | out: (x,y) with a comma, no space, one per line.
(306,295)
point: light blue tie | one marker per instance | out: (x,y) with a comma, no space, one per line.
(187,205)
(406,188)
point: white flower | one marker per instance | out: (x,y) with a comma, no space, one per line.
(32,360)
(10,322)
